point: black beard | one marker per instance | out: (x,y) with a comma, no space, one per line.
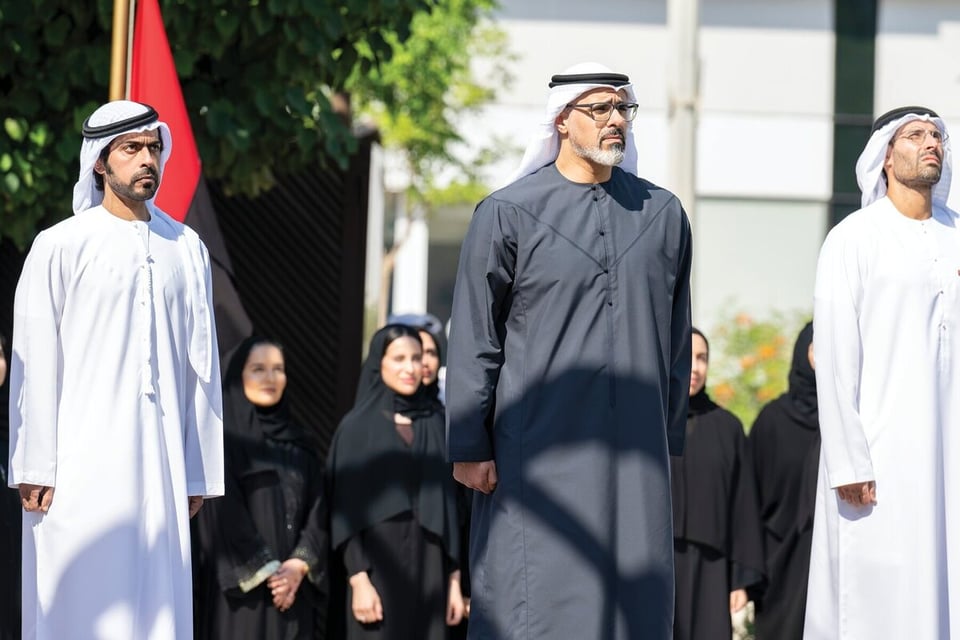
(131,191)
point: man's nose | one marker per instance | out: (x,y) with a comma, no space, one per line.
(146,157)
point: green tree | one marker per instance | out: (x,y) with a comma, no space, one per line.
(419,96)
(257,77)
(750,360)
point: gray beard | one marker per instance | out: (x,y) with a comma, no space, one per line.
(929,175)
(609,158)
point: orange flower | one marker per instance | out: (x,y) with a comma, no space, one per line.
(748,361)
(765,393)
(724,392)
(743,319)
(767,351)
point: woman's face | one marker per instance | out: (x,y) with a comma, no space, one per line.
(698,372)
(264,376)
(402,365)
(431,358)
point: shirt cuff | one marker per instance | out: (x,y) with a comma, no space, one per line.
(259,576)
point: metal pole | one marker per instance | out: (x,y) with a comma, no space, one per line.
(118,50)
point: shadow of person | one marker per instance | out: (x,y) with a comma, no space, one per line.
(90,598)
(580,522)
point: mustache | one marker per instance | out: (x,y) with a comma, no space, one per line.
(612,131)
(148,172)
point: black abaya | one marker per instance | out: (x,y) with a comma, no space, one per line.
(785,441)
(717,542)
(10,529)
(393,509)
(273,510)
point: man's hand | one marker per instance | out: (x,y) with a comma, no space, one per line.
(481,476)
(366,605)
(194,502)
(35,497)
(859,494)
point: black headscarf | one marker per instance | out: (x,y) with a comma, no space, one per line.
(701,403)
(802,392)
(432,390)
(245,419)
(374,475)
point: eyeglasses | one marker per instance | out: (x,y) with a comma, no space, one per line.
(917,136)
(601,111)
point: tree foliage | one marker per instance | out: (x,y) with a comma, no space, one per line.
(750,360)
(419,96)
(257,77)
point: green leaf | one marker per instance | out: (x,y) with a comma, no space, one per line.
(14,128)
(6,162)
(55,33)
(12,182)
(227,23)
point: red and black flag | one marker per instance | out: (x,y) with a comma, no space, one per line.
(183,192)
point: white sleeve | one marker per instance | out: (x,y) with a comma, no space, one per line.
(838,353)
(203,428)
(36,366)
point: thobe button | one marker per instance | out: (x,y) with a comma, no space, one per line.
(606,270)
(609,303)
(601,231)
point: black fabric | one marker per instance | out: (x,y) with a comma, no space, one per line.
(569,365)
(899,112)
(802,391)
(122,126)
(10,527)
(374,475)
(245,420)
(717,531)
(393,508)
(233,323)
(612,79)
(432,390)
(785,443)
(702,612)
(408,566)
(273,509)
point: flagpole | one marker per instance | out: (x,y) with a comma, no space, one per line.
(118,51)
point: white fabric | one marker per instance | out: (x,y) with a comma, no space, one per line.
(86,195)
(85,192)
(106,407)
(544,145)
(870,178)
(887,348)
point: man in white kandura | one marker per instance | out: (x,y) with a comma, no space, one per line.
(884,562)
(115,398)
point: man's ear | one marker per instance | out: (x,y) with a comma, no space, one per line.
(98,167)
(560,122)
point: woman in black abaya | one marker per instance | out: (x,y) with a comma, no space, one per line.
(393,509)
(785,440)
(717,543)
(10,514)
(261,549)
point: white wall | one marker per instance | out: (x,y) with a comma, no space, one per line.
(764,163)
